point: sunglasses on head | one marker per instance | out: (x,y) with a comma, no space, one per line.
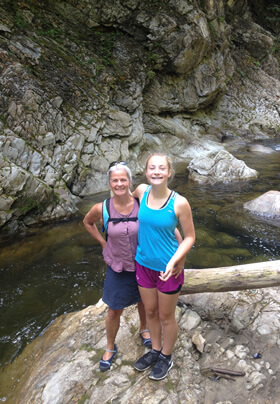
(114,163)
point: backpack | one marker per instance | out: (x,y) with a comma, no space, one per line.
(107,218)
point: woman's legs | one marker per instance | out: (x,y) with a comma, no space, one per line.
(167,307)
(112,326)
(143,319)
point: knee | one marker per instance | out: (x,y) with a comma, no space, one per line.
(167,318)
(114,314)
(152,313)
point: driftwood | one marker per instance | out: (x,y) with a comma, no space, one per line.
(216,374)
(239,277)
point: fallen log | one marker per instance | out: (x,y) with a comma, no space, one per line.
(239,277)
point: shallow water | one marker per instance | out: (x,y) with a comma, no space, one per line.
(61,269)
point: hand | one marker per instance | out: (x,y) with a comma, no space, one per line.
(173,270)
(164,276)
(179,267)
(169,271)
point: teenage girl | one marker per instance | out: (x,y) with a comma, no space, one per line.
(159,260)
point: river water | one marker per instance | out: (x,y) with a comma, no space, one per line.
(60,269)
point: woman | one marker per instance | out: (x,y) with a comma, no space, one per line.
(120,287)
(159,260)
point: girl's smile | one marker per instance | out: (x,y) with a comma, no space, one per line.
(157,169)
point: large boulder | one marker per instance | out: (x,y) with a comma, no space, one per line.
(220,167)
(267,205)
(259,148)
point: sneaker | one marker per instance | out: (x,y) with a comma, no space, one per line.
(146,361)
(161,368)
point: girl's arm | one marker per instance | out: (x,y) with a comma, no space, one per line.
(90,220)
(139,191)
(179,267)
(184,214)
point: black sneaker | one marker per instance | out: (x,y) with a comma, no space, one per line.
(161,368)
(146,361)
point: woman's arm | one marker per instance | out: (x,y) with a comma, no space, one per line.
(184,214)
(90,220)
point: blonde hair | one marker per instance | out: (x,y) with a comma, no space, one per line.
(168,161)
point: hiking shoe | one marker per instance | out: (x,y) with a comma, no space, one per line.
(146,361)
(161,368)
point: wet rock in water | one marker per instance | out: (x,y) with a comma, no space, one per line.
(217,167)
(267,205)
(259,227)
(258,148)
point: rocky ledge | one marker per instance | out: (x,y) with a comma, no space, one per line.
(235,331)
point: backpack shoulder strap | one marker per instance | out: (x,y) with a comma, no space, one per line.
(107,218)
(105,213)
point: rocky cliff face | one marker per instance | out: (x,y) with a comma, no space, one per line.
(85,83)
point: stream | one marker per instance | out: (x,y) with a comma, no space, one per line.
(61,268)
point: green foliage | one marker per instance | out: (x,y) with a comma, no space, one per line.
(276,47)
(242,73)
(150,74)
(220,19)
(212,28)
(27,205)
(253,61)
(83,398)
(275,10)
(86,347)
(21,21)
(154,57)
(105,46)
(54,33)
(153,2)
(169,386)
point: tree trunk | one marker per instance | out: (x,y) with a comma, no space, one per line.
(239,277)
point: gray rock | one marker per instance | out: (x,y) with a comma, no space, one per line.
(65,358)
(257,148)
(267,205)
(219,167)
(190,320)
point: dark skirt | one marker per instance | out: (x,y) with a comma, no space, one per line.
(120,289)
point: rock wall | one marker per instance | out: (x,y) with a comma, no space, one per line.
(85,83)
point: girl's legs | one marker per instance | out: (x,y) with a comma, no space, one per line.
(167,307)
(150,299)
(112,326)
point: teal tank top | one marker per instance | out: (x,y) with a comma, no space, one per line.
(156,235)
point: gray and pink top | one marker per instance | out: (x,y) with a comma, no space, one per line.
(120,249)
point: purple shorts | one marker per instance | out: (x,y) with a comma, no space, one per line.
(148,278)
